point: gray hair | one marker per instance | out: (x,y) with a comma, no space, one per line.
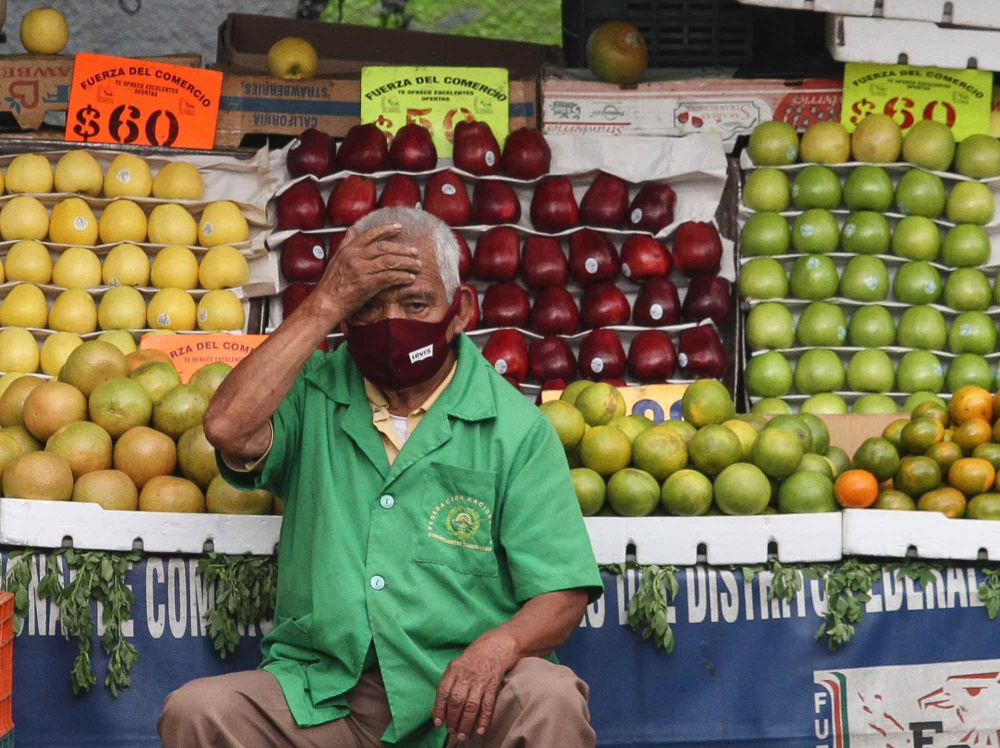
(415,221)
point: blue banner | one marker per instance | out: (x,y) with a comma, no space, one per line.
(922,670)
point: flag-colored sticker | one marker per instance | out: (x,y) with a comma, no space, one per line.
(191,352)
(437,98)
(961,99)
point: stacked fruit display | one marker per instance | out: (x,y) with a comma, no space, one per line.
(868,283)
(712,462)
(589,257)
(117,430)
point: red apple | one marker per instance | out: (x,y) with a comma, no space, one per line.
(494,202)
(294,295)
(553,206)
(551,358)
(652,209)
(446,198)
(506,305)
(697,249)
(513,383)
(702,354)
(605,203)
(303,257)
(602,355)
(498,254)
(464,257)
(645,257)
(553,384)
(525,155)
(554,312)
(314,154)
(476,150)
(325,347)
(336,238)
(301,207)
(364,150)
(543,262)
(652,357)
(400,191)
(604,305)
(614,382)
(507,350)
(351,200)
(592,257)
(708,297)
(657,305)
(413,149)
(474,319)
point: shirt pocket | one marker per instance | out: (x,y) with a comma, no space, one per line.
(457,510)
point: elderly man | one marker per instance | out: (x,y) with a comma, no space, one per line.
(432,553)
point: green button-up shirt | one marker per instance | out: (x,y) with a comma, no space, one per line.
(476,516)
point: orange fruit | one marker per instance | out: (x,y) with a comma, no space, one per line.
(934,410)
(945,454)
(970,402)
(972,433)
(996,431)
(920,435)
(856,489)
(917,476)
(996,402)
(893,434)
(894,500)
(971,475)
(949,501)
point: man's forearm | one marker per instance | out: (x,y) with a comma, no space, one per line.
(543,624)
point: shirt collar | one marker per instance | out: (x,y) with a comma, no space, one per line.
(380,403)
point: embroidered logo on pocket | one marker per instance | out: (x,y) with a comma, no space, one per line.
(462,521)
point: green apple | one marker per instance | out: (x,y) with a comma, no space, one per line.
(871,327)
(930,145)
(816,232)
(922,327)
(865,279)
(825,403)
(813,278)
(765,234)
(816,187)
(819,370)
(916,238)
(868,188)
(771,406)
(774,144)
(767,190)
(875,403)
(763,278)
(972,332)
(865,233)
(970,202)
(871,370)
(920,370)
(966,246)
(978,157)
(969,369)
(770,326)
(920,193)
(822,324)
(996,290)
(769,375)
(967,290)
(922,397)
(917,283)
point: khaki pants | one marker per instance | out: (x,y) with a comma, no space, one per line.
(541,705)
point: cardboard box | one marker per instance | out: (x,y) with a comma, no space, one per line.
(253,102)
(32,86)
(848,432)
(677,103)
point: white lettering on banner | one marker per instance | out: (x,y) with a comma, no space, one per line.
(713,598)
(696,597)
(156,615)
(956,589)
(202,600)
(974,601)
(177,600)
(622,613)
(596,612)
(730,598)
(817,593)
(914,597)
(892,591)
(748,596)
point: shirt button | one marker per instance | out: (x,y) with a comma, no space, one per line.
(387,501)
(377,582)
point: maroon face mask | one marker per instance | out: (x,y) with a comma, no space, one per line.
(396,353)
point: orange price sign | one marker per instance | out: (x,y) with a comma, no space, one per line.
(191,352)
(139,102)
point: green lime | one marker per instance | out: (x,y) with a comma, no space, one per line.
(567,421)
(824,403)
(605,450)
(917,476)
(707,402)
(631,428)
(687,493)
(794,425)
(747,435)
(777,452)
(820,433)
(984,506)
(660,451)
(878,456)
(841,462)
(742,489)
(894,501)
(812,463)
(600,403)
(771,405)
(685,429)
(573,390)
(807,493)
(633,493)
(590,490)
(713,449)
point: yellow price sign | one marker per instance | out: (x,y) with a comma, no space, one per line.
(437,98)
(961,99)
(658,402)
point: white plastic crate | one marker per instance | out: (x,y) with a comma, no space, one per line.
(929,535)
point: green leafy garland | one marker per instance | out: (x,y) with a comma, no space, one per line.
(247,590)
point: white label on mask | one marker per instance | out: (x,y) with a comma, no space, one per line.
(448,189)
(79,223)
(626,270)
(491,158)
(682,359)
(206,229)
(421,353)
(656,311)
(636,215)
(124,175)
(597,365)
(590,265)
(318,252)
(500,366)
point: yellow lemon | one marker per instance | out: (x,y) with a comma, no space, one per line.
(77,267)
(125,265)
(172,224)
(171,309)
(179,180)
(56,349)
(1,183)
(128,176)
(122,221)
(292,58)
(223,267)
(73,222)
(120,339)
(6,380)
(222,223)
(175,267)
(29,261)
(18,351)
(74,310)
(2,279)
(25,306)
(24,217)
(78,171)
(44,31)
(29,172)
(220,310)
(122,308)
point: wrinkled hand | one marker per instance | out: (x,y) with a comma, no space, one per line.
(363,266)
(468,691)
